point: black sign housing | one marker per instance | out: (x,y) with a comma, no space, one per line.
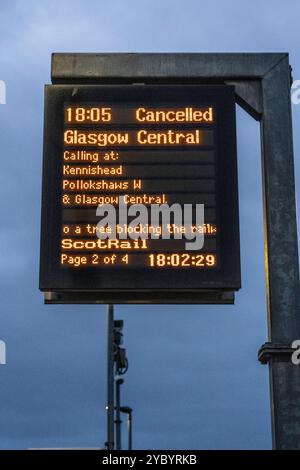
(180,142)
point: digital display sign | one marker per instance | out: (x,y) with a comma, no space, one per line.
(117,157)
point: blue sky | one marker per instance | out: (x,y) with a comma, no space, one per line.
(194,380)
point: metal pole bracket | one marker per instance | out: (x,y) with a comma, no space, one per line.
(270,351)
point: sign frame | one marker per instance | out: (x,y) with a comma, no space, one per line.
(185,285)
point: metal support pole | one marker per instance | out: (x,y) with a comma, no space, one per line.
(118,420)
(128,411)
(281,253)
(110,377)
(129,427)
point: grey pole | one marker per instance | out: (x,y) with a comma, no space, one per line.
(129,424)
(127,410)
(118,421)
(281,256)
(110,377)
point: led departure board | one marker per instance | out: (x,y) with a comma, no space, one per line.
(139,190)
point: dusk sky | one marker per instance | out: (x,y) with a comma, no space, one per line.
(194,381)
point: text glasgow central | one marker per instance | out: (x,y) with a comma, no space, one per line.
(142,137)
